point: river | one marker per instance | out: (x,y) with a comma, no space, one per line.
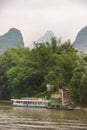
(18,118)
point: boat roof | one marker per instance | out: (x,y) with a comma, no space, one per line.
(31,100)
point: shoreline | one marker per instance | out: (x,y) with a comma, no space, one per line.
(5,101)
(81,108)
(74,108)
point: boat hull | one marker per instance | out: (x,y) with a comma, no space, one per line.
(59,108)
(29,106)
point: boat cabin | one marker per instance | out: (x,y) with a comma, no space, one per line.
(31,102)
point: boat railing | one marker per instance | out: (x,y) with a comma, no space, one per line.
(27,98)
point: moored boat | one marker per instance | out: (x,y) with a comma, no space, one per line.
(31,102)
(59,107)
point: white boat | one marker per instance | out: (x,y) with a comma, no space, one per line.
(31,102)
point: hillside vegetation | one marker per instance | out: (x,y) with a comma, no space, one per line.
(25,72)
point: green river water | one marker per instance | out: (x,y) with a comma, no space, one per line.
(15,118)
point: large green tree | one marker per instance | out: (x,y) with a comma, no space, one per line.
(78,85)
(24,81)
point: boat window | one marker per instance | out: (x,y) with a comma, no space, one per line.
(25,102)
(18,102)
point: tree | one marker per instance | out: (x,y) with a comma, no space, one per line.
(24,81)
(78,85)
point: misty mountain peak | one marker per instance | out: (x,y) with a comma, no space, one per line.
(49,33)
(13,30)
(46,37)
(80,42)
(14,33)
(11,39)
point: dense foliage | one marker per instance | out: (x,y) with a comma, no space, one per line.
(25,72)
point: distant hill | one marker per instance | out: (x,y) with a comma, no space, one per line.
(11,39)
(80,42)
(46,37)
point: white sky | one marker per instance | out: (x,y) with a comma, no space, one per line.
(34,17)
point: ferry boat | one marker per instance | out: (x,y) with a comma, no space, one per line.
(31,102)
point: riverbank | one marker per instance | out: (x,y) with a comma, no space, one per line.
(5,102)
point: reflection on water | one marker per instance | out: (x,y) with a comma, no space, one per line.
(14,118)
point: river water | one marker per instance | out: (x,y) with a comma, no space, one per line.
(18,118)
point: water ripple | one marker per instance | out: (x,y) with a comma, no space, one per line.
(34,120)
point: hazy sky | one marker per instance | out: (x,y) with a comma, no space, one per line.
(34,17)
